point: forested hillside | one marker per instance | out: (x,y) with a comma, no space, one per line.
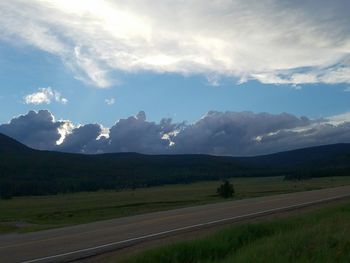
(24,171)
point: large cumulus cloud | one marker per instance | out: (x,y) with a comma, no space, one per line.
(83,139)
(36,129)
(232,133)
(217,133)
(133,134)
(273,41)
(136,134)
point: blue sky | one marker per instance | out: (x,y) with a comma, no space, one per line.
(25,69)
(98,62)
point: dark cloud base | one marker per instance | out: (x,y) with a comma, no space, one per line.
(217,133)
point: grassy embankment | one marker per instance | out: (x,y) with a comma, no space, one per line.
(319,236)
(23,214)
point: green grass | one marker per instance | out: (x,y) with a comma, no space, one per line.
(33,213)
(321,236)
(6,228)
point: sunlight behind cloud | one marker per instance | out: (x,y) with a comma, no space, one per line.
(117,22)
(274,42)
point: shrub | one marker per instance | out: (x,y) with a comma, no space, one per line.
(226,190)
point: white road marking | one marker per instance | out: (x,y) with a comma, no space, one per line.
(187,228)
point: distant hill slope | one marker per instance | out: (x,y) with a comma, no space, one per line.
(328,154)
(24,171)
(9,145)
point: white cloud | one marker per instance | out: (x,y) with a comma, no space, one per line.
(339,119)
(273,41)
(339,73)
(88,70)
(64,130)
(45,96)
(110,101)
(213,80)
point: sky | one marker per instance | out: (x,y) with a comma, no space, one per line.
(223,77)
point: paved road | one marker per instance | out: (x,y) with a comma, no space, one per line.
(74,242)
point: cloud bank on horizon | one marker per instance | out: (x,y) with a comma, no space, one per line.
(272,41)
(216,133)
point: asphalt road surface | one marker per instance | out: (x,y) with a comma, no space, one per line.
(64,244)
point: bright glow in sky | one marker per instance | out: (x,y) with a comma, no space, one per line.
(279,42)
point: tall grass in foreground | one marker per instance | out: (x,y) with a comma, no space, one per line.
(321,236)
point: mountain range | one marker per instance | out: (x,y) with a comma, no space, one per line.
(25,171)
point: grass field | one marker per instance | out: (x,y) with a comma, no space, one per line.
(321,236)
(33,213)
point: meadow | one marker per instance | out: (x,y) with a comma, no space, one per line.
(32,213)
(320,236)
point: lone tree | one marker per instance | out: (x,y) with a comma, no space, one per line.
(226,190)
